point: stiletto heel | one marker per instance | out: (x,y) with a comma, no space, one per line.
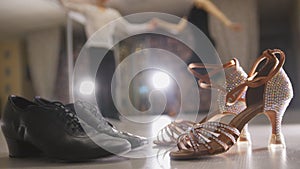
(21,149)
(234,75)
(269,91)
(245,136)
(276,138)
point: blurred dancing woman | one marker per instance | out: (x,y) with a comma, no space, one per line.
(198,16)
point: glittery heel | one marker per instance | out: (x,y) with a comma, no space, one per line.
(245,137)
(276,138)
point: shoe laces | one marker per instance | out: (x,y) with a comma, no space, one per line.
(69,117)
(103,124)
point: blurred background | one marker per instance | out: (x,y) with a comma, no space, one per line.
(33,43)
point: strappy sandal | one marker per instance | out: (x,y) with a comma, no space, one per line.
(168,135)
(269,91)
(235,75)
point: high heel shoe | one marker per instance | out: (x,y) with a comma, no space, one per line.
(269,91)
(235,76)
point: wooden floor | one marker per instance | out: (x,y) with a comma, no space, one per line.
(257,156)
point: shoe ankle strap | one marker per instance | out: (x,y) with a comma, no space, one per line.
(204,79)
(253,81)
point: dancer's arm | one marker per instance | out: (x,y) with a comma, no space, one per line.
(212,9)
(171,27)
(74,5)
(132,28)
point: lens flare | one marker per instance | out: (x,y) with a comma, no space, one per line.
(87,87)
(161,80)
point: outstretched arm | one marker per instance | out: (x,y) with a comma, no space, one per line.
(211,8)
(132,28)
(171,27)
(74,5)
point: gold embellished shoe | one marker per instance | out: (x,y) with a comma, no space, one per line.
(234,75)
(269,91)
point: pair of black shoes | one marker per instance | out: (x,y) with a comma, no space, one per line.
(54,130)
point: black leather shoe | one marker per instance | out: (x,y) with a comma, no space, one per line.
(44,102)
(31,129)
(91,116)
